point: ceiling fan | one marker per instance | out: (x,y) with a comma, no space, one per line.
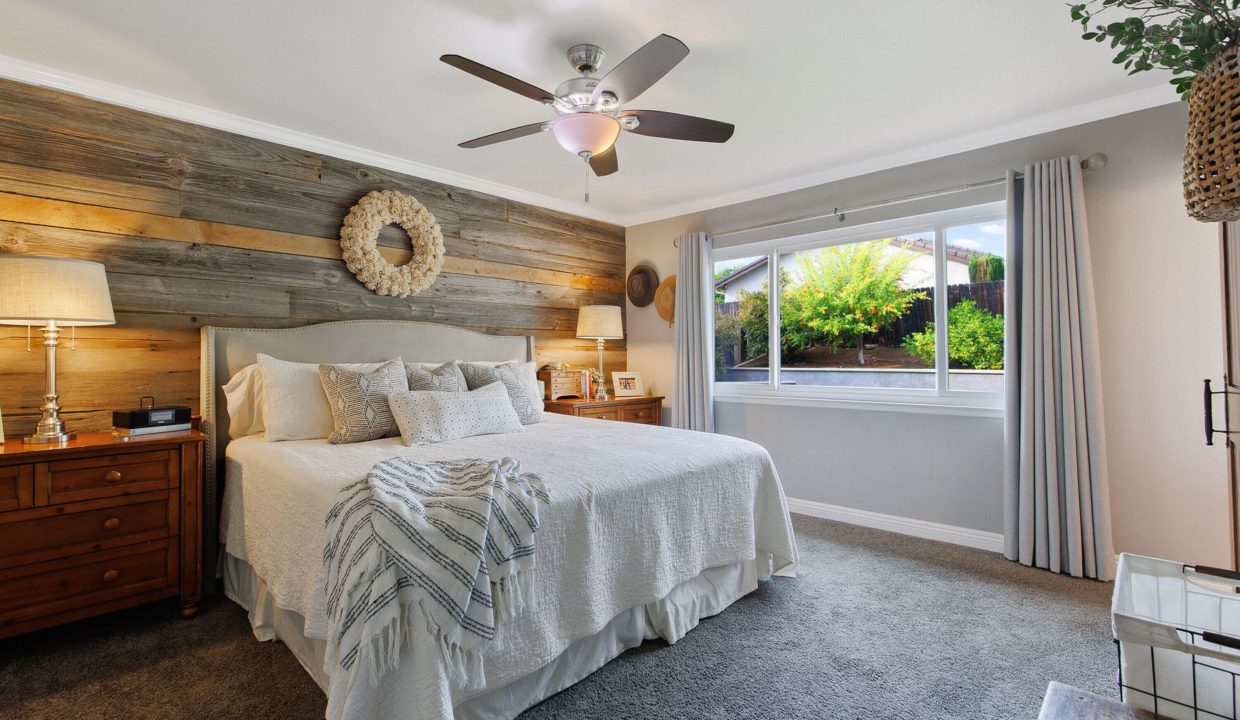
(589,108)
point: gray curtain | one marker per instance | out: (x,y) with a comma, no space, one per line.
(692,405)
(1057,513)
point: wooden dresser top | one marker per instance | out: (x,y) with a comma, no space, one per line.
(631,400)
(92,443)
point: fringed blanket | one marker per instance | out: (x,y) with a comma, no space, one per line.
(448,545)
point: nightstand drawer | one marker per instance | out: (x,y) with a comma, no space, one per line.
(121,474)
(602,413)
(16,487)
(60,585)
(42,534)
(639,414)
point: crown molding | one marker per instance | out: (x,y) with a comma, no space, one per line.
(34,74)
(1026,127)
(42,75)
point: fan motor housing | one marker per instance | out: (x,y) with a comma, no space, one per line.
(586,58)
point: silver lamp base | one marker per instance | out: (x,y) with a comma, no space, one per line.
(48,438)
(51,429)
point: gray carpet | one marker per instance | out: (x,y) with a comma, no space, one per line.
(879,626)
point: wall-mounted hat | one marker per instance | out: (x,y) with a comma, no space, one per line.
(665,299)
(641,285)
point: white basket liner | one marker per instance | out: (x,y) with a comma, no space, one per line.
(1154,599)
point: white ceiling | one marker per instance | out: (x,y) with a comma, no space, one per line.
(817,89)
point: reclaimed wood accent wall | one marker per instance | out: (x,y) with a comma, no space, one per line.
(202,227)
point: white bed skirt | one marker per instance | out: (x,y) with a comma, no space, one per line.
(671,617)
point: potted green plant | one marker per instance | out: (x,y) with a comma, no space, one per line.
(1197,40)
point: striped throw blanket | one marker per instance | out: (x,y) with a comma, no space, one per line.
(443,546)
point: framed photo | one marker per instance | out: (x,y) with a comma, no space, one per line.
(627,384)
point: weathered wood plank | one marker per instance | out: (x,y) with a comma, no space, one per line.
(325,305)
(256,200)
(66,153)
(541,241)
(108,367)
(43,108)
(17,425)
(147,293)
(359,180)
(87,189)
(22,211)
(545,219)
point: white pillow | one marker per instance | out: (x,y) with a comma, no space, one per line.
(431,416)
(244,397)
(294,404)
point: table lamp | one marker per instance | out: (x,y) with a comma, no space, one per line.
(600,322)
(52,292)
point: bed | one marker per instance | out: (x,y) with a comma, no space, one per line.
(649,529)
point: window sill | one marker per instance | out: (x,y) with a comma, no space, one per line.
(960,405)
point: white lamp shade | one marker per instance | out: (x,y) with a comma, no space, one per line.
(585,132)
(600,322)
(34,290)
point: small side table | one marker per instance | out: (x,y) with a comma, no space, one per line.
(644,409)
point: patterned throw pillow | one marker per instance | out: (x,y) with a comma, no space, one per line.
(359,403)
(445,378)
(529,408)
(427,417)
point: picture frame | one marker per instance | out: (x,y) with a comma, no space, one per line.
(627,384)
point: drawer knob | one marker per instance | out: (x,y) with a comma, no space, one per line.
(111,523)
(111,575)
(113,476)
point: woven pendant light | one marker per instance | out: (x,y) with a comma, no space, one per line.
(1212,147)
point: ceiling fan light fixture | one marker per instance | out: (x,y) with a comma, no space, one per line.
(589,133)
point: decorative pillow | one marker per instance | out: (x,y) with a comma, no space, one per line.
(427,417)
(445,378)
(294,406)
(529,407)
(244,397)
(358,400)
(527,373)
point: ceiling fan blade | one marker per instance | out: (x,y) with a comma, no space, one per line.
(605,163)
(504,80)
(643,68)
(511,134)
(656,123)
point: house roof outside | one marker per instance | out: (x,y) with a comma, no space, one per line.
(955,254)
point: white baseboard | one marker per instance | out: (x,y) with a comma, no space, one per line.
(968,537)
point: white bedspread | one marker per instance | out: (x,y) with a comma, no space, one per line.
(635,511)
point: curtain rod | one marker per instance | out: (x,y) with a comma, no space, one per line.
(1097,161)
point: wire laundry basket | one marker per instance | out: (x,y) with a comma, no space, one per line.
(1177,631)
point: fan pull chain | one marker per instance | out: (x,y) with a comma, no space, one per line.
(28,348)
(587,180)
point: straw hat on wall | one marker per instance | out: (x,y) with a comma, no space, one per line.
(665,299)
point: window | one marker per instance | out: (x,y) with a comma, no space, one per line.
(856,311)
(741,320)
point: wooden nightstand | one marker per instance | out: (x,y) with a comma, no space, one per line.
(98,524)
(647,409)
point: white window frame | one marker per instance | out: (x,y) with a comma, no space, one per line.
(939,400)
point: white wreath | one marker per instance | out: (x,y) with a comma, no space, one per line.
(371,214)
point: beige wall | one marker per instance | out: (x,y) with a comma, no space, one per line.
(1156,283)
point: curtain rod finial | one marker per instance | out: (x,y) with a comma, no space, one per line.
(1097,161)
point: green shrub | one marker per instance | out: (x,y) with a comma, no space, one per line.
(845,293)
(985,268)
(753,316)
(727,336)
(974,339)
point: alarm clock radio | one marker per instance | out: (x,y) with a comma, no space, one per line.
(148,420)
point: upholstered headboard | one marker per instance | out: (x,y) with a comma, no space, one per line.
(227,350)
